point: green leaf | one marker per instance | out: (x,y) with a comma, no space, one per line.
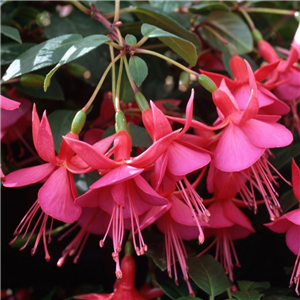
(208,274)
(231,27)
(282,297)
(138,69)
(206,8)
(41,55)
(130,39)
(79,49)
(60,122)
(11,51)
(283,156)
(21,242)
(188,298)
(166,23)
(11,32)
(247,295)
(181,46)
(245,285)
(288,201)
(140,136)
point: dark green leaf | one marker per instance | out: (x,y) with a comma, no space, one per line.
(11,32)
(130,39)
(206,8)
(79,49)
(60,122)
(21,242)
(188,298)
(167,6)
(283,156)
(76,22)
(251,285)
(182,47)
(83,181)
(41,55)
(140,136)
(280,298)
(164,22)
(288,201)
(138,69)
(231,27)
(208,274)
(11,51)
(249,295)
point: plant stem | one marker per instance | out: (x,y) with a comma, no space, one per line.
(211,297)
(89,103)
(121,11)
(81,7)
(131,81)
(270,10)
(116,99)
(248,19)
(113,72)
(117,11)
(177,64)
(229,293)
(114,45)
(141,42)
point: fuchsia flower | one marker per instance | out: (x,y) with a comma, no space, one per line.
(240,87)
(121,192)
(290,223)
(56,196)
(8,104)
(227,223)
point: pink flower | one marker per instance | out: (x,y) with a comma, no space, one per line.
(290,223)
(56,196)
(8,104)
(296,40)
(14,122)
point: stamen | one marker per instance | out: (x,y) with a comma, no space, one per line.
(295,277)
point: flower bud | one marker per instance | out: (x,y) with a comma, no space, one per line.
(120,121)
(32,80)
(267,51)
(78,122)
(141,101)
(43,19)
(79,71)
(297,16)
(207,83)
(257,35)
(184,81)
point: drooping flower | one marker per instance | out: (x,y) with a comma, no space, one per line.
(56,196)
(8,104)
(290,223)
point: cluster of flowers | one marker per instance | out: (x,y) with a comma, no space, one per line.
(157,186)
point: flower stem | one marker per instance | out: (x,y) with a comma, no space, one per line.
(121,11)
(141,42)
(81,7)
(131,81)
(270,10)
(177,64)
(116,98)
(248,18)
(113,72)
(117,11)
(89,103)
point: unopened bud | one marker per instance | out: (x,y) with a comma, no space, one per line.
(79,71)
(141,101)
(207,83)
(257,35)
(32,80)
(120,121)
(184,81)
(78,122)
(129,248)
(297,16)
(43,19)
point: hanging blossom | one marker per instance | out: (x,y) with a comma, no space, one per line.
(227,223)
(172,167)
(290,223)
(121,192)
(56,196)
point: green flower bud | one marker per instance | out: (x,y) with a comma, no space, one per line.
(184,81)
(121,123)
(78,122)
(43,19)
(141,101)
(257,35)
(79,71)
(297,16)
(207,83)
(32,80)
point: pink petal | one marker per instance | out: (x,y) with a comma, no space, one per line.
(119,193)
(35,125)
(218,219)
(186,232)
(116,176)
(28,176)
(8,104)
(234,151)
(292,239)
(280,225)
(188,113)
(44,143)
(223,104)
(92,198)
(147,193)
(267,135)
(90,155)
(238,68)
(56,198)
(293,216)
(237,232)
(94,297)
(184,158)
(263,72)
(102,145)
(217,79)
(296,179)
(160,170)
